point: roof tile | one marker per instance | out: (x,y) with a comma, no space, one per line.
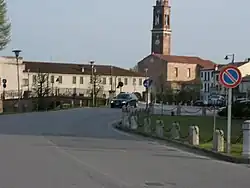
(186,59)
(70,68)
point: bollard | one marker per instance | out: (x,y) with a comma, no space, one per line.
(194,138)
(175,131)
(218,141)
(178,111)
(80,103)
(204,111)
(246,139)
(72,104)
(134,124)
(159,128)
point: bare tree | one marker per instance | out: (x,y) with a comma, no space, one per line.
(95,86)
(41,85)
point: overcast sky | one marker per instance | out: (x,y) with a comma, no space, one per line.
(118,32)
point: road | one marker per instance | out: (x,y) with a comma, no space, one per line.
(78,148)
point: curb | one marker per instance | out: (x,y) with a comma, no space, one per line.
(194,149)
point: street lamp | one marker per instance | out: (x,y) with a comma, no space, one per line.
(227,57)
(28,81)
(146,77)
(93,82)
(17,53)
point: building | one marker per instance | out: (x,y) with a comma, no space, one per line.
(173,70)
(161,65)
(68,78)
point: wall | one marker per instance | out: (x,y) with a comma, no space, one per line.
(85,88)
(182,71)
(8,70)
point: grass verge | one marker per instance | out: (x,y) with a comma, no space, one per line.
(205,124)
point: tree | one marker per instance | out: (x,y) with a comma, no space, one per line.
(5,26)
(41,85)
(41,89)
(96,86)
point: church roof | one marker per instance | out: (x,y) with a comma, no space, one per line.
(186,59)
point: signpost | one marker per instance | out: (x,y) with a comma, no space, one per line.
(230,77)
(147,83)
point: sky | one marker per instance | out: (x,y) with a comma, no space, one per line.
(118,32)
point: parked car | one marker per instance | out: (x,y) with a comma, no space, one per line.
(199,103)
(124,99)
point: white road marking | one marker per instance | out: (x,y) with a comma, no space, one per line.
(74,158)
(176,149)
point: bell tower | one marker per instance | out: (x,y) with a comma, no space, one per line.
(161,31)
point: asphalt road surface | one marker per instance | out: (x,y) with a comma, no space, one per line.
(79,149)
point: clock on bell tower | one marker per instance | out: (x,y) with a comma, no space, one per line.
(161,32)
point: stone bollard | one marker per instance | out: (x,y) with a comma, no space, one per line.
(218,141)
(72,103)
(159,128)
(80,103)
(204,111)
(147,125)
(178,110)
(194,138)
(133,121)
(246,139)
(175,131)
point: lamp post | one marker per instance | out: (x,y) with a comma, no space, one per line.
(28,81)
(229,110)
(93,82)
(17,53)
(146,76)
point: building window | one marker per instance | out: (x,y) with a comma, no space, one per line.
(201,74)
(52,79)
(81,80)
(217,77)
(74,80)
(125,81)
(34,78)
(134,81)
(176,71)
(208,76)
(140,81)
(189,73)
(110,81)
(25,82)
(104,81)
(59,79)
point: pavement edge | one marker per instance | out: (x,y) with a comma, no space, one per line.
(181,145)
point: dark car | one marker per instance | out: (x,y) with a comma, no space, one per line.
(124,99)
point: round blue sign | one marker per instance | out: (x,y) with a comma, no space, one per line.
(147,83)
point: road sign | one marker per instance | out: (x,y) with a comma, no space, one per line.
(230,77)
(147,83)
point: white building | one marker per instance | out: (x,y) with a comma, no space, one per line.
(67,78)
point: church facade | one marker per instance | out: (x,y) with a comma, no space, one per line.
(164,68)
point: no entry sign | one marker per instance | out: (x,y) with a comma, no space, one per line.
(230,77)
